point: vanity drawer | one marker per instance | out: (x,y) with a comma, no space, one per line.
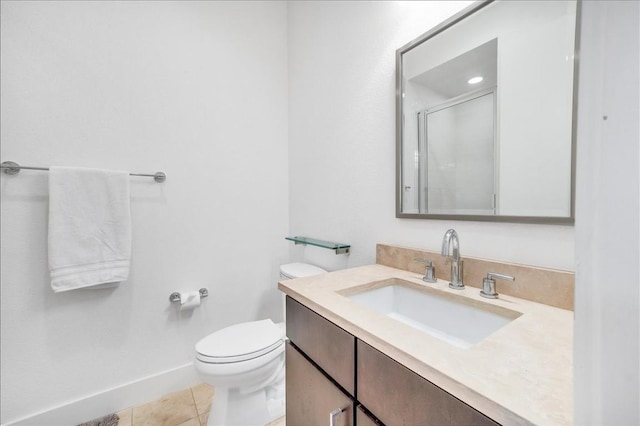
(330,347)
(311,396)
(398,396)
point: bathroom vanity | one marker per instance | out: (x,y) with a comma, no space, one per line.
(323,364)
(352,364)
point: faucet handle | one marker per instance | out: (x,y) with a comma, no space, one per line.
(429,271)
(489,284)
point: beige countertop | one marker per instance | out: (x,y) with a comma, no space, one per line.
(520,374)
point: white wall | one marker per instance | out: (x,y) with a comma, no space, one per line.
(196,89)
(342,137)
(607,321)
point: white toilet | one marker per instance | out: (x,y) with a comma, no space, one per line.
(245,364)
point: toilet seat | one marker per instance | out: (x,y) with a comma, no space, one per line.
(240,342)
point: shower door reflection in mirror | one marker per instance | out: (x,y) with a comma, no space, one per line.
(456,146)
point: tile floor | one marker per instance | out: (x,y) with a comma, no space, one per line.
(188,407)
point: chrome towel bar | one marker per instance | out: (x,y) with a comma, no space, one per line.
(13,168)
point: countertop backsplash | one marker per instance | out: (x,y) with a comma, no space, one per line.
(548,286)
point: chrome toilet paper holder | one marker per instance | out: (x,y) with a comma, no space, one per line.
(175,296)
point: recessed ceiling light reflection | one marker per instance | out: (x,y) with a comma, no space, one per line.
(475,80)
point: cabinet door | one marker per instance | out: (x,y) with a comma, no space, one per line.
(329,346)
(398,396)
(364,419)
(311,396)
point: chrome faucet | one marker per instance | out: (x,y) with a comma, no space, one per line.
(450,241)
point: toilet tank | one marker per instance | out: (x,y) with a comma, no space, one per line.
(296,270)
(299,270)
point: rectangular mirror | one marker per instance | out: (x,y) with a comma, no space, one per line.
(485,122)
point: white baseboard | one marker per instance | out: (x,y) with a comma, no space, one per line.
(113,400)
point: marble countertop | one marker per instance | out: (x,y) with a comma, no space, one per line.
(520,374)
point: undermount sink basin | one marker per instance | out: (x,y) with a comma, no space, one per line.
(459,321)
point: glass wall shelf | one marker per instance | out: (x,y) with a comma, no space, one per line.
(339,248)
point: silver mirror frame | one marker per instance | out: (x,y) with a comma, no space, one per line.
(473,8)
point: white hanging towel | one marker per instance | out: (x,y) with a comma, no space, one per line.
(89,227)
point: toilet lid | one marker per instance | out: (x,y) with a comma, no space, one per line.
(240,342)
(298,270)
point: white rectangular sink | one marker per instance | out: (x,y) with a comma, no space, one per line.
(455,319)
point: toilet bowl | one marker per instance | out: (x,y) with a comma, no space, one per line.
(245,364)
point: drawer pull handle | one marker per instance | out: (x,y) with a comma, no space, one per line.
(332,416)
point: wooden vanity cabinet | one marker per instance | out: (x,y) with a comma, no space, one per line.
(397,395)
(329,346)
(311,396)
(320,372)
(324,364)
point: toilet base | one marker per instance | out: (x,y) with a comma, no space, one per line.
(232,408)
